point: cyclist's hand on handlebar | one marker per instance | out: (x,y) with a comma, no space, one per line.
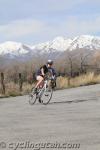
(53,78)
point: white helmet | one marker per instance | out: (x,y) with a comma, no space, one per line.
(50,62)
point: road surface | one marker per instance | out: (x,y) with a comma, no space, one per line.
(72,117)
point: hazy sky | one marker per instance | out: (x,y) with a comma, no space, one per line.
(35,21)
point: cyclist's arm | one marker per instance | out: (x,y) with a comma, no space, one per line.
(54,73)
(42,71)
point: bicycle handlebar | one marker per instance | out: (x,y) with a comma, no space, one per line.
(49,78)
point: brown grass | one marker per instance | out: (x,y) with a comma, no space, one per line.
(82,80)
(12,89)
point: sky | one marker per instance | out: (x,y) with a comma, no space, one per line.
(36,21)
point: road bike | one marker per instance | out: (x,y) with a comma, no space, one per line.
(43,93)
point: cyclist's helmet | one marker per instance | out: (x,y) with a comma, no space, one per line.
(50,62)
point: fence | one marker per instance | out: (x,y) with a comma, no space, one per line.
(2,82)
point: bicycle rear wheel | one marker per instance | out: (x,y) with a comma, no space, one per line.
(32,97)
(46,96)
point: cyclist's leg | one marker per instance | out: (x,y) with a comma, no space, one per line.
(39,81)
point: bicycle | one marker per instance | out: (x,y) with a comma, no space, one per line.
(43,94)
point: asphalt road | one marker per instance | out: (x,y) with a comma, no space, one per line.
(72,117)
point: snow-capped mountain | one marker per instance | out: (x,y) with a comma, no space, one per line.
(13,48)
(58,45)
(62,44)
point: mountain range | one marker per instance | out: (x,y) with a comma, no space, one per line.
(13,50)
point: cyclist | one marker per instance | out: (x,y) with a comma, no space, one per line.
(43,71)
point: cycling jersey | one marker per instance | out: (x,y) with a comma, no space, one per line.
(46,70)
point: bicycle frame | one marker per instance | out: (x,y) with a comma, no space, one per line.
(43,88)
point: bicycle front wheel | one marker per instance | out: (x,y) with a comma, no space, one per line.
(32,97)
(46,96)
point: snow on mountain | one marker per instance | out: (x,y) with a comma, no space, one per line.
(59,44)
(85,41)
(62,44)
(12,48)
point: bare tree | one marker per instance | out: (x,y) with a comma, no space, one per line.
(83,61)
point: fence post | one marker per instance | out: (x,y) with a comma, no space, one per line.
(68,81)
(20,82)
(2,83)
